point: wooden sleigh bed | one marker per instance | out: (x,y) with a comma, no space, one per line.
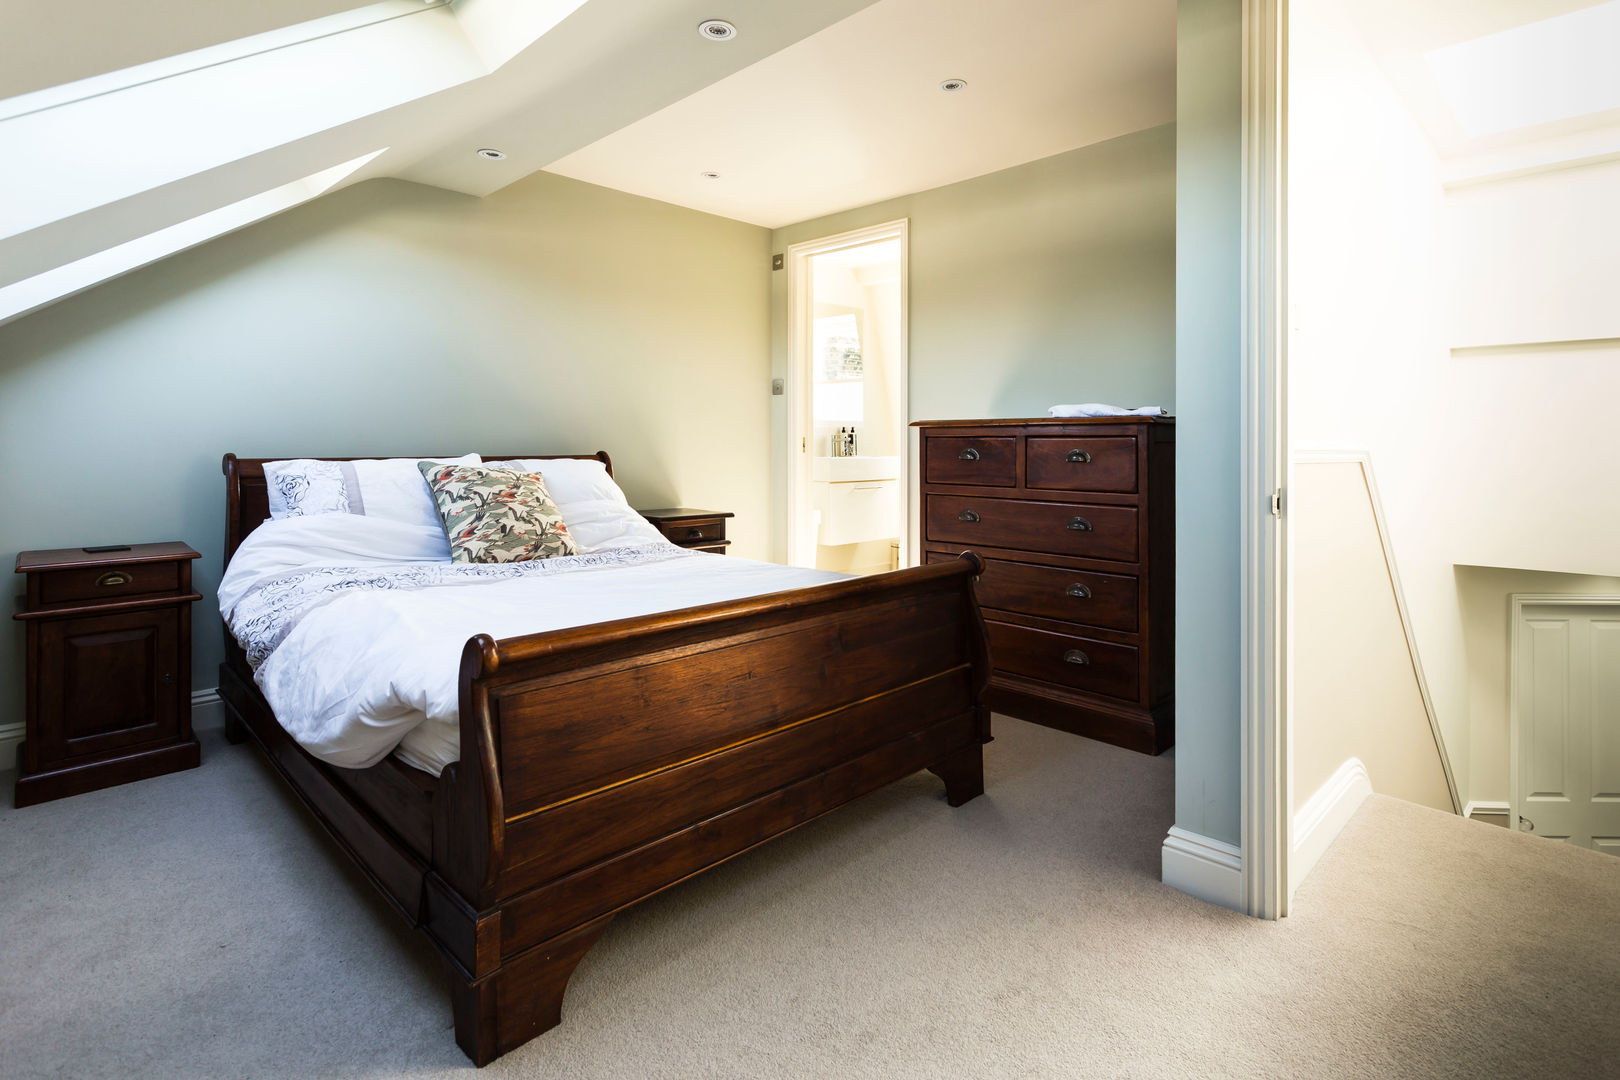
(605,763)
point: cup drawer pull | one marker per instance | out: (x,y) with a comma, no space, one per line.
(1079,591)
(1075,656)
(968,515)
(969,454)
(113,578)
(1079,524)
(694,533)
(1078,457)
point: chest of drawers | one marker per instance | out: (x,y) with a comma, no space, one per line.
(1075,520)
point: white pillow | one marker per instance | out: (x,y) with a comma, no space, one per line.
(391,488)
(303,486)
(592,505)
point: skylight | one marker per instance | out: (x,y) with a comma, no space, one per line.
(52,285)
(1550,70)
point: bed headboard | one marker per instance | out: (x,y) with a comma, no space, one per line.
(247,500)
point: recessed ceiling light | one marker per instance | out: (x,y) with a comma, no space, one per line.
(708,175)
(716,30)
(951,86)
(492,155)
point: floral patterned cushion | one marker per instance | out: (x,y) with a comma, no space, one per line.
(496,515)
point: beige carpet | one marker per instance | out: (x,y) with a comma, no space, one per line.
(199,925)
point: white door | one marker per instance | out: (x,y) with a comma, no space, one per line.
(1566,720)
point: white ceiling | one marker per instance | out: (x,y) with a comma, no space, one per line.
(854,114)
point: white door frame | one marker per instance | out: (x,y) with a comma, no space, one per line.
(1518,602)
(800,424)
(1266,824)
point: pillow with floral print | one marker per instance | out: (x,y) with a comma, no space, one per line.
(496,515)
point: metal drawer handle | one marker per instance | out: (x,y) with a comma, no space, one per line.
(1079,457)
(968,515)
(969,454)
(1075,656)
(1079,591)
(114,577)
(694,533)
(1079,524)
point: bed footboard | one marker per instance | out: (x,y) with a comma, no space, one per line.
(603,764)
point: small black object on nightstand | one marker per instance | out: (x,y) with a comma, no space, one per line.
(700,530)
(109,668)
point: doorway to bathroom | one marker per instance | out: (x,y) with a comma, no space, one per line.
(847,401)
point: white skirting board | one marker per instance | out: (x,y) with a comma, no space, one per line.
(1317,823)
(1211,870)
(207,711)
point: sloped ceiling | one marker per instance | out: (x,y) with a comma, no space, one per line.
(110,132)
(121,155)
(1407,37)
(68,40)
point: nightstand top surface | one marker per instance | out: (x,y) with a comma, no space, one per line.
(682,513)
(32,562)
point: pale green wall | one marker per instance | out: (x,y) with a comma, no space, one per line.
(391,318)
(1209,51)
(1050,282)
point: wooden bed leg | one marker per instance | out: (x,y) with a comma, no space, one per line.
(520,999)
(963,773)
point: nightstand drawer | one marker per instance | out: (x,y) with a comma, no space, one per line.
(109,582)
(694,532)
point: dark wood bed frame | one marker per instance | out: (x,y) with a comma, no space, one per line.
(602,764)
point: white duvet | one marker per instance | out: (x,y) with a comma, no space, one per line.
(355,625)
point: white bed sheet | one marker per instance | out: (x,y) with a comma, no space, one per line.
(356,624)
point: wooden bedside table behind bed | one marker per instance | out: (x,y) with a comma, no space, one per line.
(700,530)
(604,763)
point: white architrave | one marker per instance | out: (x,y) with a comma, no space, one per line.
(1265,826)
(800,424)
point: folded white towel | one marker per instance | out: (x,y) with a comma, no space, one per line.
(1094,409)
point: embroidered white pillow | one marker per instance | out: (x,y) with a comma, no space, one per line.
(303,486)
(390,488)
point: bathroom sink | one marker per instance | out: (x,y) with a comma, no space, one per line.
(860,467)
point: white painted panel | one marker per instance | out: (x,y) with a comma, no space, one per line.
(1548,700)
(1604,714)
(1536,258)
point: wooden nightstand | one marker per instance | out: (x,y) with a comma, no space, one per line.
(700,530)
(109,668)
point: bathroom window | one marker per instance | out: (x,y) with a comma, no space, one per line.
(838,348)
(839,370)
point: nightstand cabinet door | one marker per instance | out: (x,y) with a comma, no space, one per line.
(106,682)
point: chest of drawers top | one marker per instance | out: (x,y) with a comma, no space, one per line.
(1052,458)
